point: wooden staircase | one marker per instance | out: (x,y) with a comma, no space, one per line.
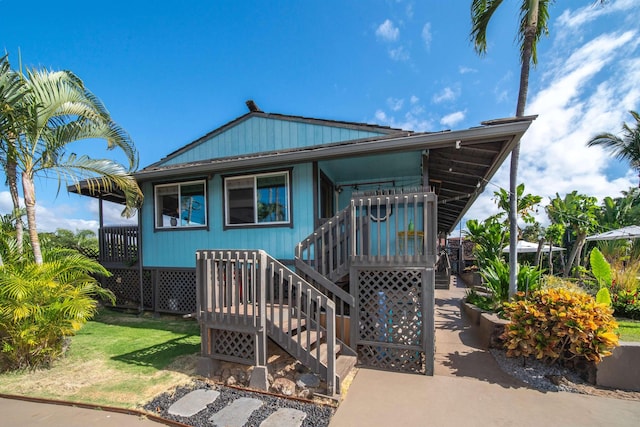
(307,343)
(443,272)
(245,297)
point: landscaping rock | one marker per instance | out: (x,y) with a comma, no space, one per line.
(308,380)
(284,386)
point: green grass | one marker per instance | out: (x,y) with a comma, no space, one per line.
(116,359)
(629,330)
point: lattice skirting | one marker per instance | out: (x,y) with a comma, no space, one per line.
(176,290)
(233,346)
(125,285)
(390,318)
(167,290)
(395,359)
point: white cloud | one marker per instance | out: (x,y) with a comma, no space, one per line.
(501,90)
(414,99)
(426,35)
(586,87)
(399,54)
(53,215)
(409,10)
(447,94)
(412,120)
(453,118)
(571,20)
(6,205)
(395,104)
(387,31)
(467,70)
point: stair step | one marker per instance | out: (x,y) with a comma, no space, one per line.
(308,340)
(323,352)
(344,365)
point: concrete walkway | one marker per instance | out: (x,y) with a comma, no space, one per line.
(468,389)
(20,413)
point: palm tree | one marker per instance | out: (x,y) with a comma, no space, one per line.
(60,111)
(534,15)
(626,147)
(12,91)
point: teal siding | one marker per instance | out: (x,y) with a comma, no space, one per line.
(176,248)
(260,134)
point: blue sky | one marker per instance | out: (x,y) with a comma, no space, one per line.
(169,72)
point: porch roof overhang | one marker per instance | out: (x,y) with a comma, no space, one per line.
(459,163)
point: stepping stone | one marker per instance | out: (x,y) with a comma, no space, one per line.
(237,413)
(284,417)
(193,402)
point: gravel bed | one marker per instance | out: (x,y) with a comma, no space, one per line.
(538,374)
(317,415)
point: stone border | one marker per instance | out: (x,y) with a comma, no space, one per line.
(489,326)
(621,370)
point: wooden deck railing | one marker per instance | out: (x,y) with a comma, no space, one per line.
(395,228)
(118,244)
(252,292)
(401,228)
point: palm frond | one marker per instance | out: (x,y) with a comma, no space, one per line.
(101,175)
(82,129)
(481,13)
(625,148)
(541,21)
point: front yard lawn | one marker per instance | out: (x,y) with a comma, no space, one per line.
(116,359)
(629,330)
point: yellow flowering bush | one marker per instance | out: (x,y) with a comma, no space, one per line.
(559,325)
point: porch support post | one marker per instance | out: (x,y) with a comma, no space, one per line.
(139,255)
(425,169)
(428,313)
(100,228)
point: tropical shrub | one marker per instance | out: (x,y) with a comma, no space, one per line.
(625,276)
(559,325)
(482,301)
(496,276)
(495,273)
(601,270)
(41,305)
(626,304)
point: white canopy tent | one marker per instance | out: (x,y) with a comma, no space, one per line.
(531,247)
(629,232)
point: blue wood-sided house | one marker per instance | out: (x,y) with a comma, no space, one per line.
(320,235)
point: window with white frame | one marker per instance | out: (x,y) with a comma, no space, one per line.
(181,204)
(261,199)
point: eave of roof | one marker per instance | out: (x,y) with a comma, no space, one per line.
(406,141)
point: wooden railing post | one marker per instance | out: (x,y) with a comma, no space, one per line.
(331,348)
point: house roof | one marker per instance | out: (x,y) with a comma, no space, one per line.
(382,130)
(460,163)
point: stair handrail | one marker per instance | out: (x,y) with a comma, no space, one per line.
(310,305)
(233,287)
(328,240)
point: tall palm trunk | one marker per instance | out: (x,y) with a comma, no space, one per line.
(527,52)
(29,192)
(12,179)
